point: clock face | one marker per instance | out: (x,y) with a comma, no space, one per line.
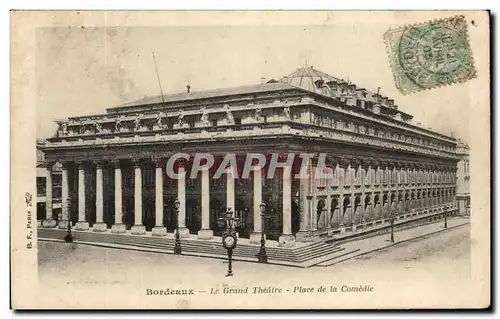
(229,241)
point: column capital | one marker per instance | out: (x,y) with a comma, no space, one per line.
(365,163)
(385,163)
(374,163)
(136,162)
(408,165)
(81,164)
(159,162)
(393,164)
(313,161)
(98,163)
(344,161)
(356,162)
(330,162)
(182,162)
(65,164)
(116,163)
(284,157)
(49,165)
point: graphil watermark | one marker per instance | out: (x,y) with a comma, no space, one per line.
(292,165)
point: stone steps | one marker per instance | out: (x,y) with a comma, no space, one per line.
(338,258)
(295,255)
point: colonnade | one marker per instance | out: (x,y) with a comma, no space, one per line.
(357,191)
(286,238)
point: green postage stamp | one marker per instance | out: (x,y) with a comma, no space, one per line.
(429,55)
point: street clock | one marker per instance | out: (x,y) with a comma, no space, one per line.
(229,241)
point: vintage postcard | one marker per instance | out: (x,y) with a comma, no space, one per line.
(250,160)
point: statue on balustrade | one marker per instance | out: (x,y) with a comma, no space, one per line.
(118,125)
(64,129)
(137,122)
(180,118)
(287,111)
(258,114)
(204,116)
(159,119)
(229,115)
(98,127)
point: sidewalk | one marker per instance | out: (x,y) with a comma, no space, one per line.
(372,244)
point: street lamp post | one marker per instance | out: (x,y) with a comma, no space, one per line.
(445,217)
(262,252)
(392,227)
(69,237)
(177,247)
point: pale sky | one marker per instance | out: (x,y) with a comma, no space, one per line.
(84,70)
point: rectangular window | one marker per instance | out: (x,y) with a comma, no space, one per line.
(213,122)
(237,121)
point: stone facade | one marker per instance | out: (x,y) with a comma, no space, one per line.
(113,165)
(463,177)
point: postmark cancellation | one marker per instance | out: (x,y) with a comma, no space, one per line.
(428,55)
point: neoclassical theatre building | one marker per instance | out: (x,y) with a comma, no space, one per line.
(113,165)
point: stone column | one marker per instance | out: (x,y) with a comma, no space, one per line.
(138,228)
(205,232)
(49,221)
(341,171)
(99,226)
(287,239)
(230,190)
(257,200)
(353,211)
(63,223)
(314,213)
(328,212)
(362,199)
(118,226)
(82,223)
(397,178)
(159,229)
(181,194)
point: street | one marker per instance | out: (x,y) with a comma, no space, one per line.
(104,277)
(445,253)
(452,246)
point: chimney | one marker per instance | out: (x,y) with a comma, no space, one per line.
(188,88)
(262,80)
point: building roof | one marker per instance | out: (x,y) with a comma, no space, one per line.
(195,95)
(307,77)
